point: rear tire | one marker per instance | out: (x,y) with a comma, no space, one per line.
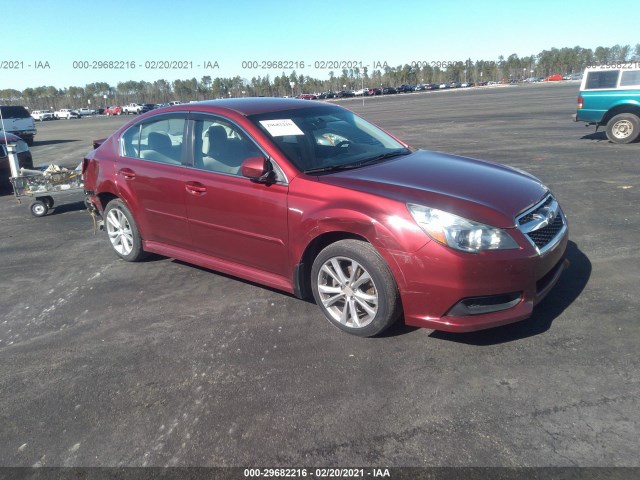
(355,289)
(623,128)
(123,231)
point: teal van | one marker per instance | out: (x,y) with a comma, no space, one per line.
(610,96)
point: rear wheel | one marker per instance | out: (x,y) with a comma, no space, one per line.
(123,231)
(355,289)
(623,128)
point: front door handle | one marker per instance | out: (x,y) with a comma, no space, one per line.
(195,188)
(127,173)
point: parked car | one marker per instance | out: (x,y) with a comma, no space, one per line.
(406,88)
(389,91)
(66,113)
(147,107)
(17,120)
(113,110)
(22,151)
(345,94)
(310,198)
(132,108)
(307,96)
(42,115)
(83,112)
(554,78)
(611,98)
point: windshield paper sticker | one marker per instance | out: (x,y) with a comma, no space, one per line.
(281,128)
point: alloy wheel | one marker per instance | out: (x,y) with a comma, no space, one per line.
(348,292)
(119,231)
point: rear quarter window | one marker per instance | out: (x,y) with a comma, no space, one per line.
(12,111)
(630,79)
(606,79)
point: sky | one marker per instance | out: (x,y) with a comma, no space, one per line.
(75,42)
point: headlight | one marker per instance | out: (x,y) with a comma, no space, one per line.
(460,233)
(21,146)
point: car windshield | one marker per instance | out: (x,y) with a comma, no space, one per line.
(327,138)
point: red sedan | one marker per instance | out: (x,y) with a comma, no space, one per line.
(309,198)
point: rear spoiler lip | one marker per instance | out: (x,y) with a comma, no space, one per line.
(97,143)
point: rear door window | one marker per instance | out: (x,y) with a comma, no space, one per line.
(159,141)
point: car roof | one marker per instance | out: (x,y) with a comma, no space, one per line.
(249,106)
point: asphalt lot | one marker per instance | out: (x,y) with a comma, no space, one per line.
(108,363)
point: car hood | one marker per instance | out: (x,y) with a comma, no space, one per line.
(11,138)
(475,189)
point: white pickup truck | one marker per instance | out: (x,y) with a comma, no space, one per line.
(134,108)
(42,115)
(66,113)
(85,111)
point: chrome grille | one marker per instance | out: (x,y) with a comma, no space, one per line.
(544,224)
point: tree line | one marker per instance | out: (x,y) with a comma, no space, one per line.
(545,63)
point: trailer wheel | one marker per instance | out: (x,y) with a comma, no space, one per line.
(39,208)
(48,201)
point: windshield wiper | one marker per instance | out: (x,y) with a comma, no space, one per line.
(349,166)
(332,168)
(383,156)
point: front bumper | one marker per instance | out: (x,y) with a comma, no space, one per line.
(452,291)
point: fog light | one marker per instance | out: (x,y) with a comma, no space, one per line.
(487,304)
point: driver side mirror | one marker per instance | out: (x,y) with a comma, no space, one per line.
(257,169)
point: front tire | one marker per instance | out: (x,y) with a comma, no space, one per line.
(123,231)
(623,128)
(355,289)
(39,208)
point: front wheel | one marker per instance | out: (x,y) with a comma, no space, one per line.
(355,289)
(623,128)
(123,231)
(39,208)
